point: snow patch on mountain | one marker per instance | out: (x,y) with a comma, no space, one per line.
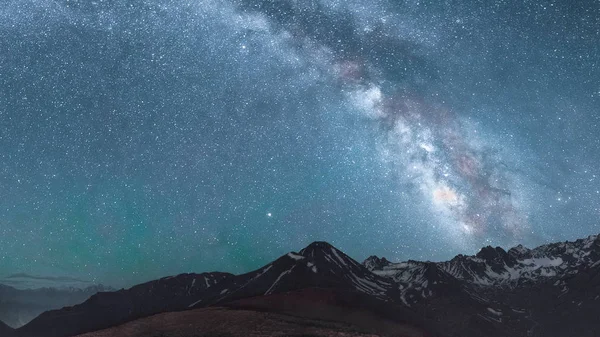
(294,256)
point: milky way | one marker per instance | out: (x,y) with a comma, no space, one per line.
(154,137)
(463,179)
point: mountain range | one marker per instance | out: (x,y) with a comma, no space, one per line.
(552,290)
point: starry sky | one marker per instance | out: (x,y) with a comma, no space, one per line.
(145,138)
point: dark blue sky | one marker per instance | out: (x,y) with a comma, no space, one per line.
(154,137)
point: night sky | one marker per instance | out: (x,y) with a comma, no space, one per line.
(145,138)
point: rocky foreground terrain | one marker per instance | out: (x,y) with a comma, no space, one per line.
(552,290)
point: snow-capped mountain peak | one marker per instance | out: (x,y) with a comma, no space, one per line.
(373,262)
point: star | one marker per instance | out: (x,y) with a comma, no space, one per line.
(162,134)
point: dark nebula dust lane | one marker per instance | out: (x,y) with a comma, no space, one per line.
(154,137)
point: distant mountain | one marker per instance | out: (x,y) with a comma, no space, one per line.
(27,281)
(552,290)
(19,306)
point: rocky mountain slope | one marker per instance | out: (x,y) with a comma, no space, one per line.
(552,290)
